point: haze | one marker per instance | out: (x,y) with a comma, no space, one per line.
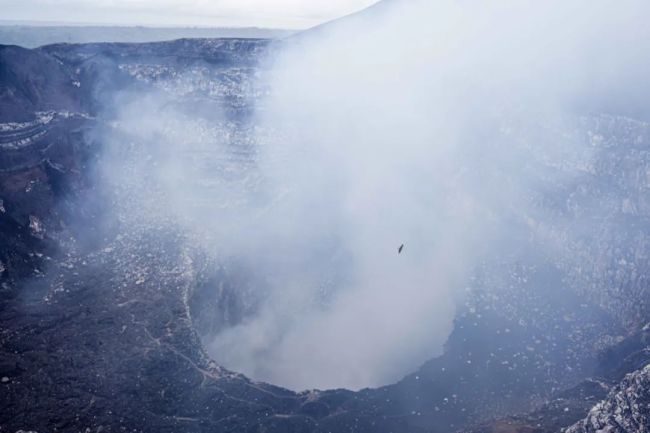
(210,13)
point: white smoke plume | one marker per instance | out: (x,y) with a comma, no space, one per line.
(424,123)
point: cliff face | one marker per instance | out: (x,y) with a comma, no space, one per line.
(625,410)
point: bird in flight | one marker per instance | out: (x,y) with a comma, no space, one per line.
(399,250)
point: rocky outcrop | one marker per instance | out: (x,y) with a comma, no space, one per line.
(32,81)
(625,410)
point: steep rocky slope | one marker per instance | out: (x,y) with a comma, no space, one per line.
(626,408)
(26,89)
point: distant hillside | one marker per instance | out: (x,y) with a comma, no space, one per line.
(31,36)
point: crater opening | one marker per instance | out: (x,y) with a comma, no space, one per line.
(303,336)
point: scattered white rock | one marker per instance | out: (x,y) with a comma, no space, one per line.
(36,227)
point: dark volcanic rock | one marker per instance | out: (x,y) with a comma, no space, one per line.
(32,81)
(627,359)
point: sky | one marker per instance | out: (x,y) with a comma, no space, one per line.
(209,13)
